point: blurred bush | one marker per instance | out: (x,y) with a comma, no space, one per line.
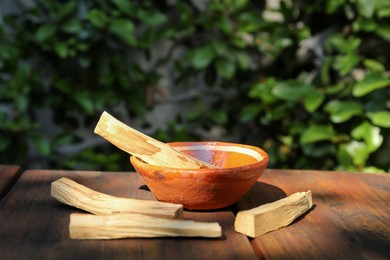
(307,81)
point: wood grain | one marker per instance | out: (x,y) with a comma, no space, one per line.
(144,147)
(272,216)
(350,218)
(33,225)
(74,194)
(8,176)
(130,225)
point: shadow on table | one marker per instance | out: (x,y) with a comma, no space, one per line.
(261,193)
(144,187)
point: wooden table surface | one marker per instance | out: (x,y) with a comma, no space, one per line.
(350,220)
(8,176)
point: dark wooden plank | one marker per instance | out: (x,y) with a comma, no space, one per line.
(8,176)
(350,218)
(35,226)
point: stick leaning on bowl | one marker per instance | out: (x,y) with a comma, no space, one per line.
(144,147)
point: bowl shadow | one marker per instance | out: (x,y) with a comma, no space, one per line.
(144,187)
(261,193)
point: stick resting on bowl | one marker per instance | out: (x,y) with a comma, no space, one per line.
(144,147)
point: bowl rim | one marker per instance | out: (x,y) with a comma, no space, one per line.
(261,163)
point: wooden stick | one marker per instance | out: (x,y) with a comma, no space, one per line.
(144,147)
(88,226)
(272,216)
(79,196)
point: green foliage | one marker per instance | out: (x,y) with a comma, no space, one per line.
(307,81)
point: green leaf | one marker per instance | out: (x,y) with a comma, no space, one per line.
(218,116)
(5,144)
(341,111)
(202,57)
(316,133)
(124,6)
(249,112)
(380,118)
(85,101)
(45,32)
(239,41)
(370,83)
(325,70)
(313,100)
(383,8)
(278,44)
(370,134)
(124,29)
(373,169)
(383,31)
(334,89)
(277,113)
(347,46)
(72,26)
(41,144)
(249,22)
(263,91)
(350,12)
(366,7)
(66,9)
(220,48)
(242,59)
(167,33)
(286,140)
(345,63)
(332,6)
(358,151)
(62,49)
(152,17)
(63,139)
(97,17)
(366,25)
(343,157)
(240,3)
(22,102)
(303,33)
(374,65)
(225,25)
(291,90)
(225,68)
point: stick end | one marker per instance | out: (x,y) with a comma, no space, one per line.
(102,123)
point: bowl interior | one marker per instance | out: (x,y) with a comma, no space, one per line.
(223,155)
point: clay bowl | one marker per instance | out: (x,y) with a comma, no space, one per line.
(201,189)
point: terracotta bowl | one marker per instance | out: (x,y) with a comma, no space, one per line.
(201,189)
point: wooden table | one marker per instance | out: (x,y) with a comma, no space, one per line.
(350,220)
(8,176)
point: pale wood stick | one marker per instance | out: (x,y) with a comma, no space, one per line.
(79,196)
(88,226)
(272,216)
(143,146)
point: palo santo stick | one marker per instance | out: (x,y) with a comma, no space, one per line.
(144,147)
(272,216)
(88,226)
(79,196)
